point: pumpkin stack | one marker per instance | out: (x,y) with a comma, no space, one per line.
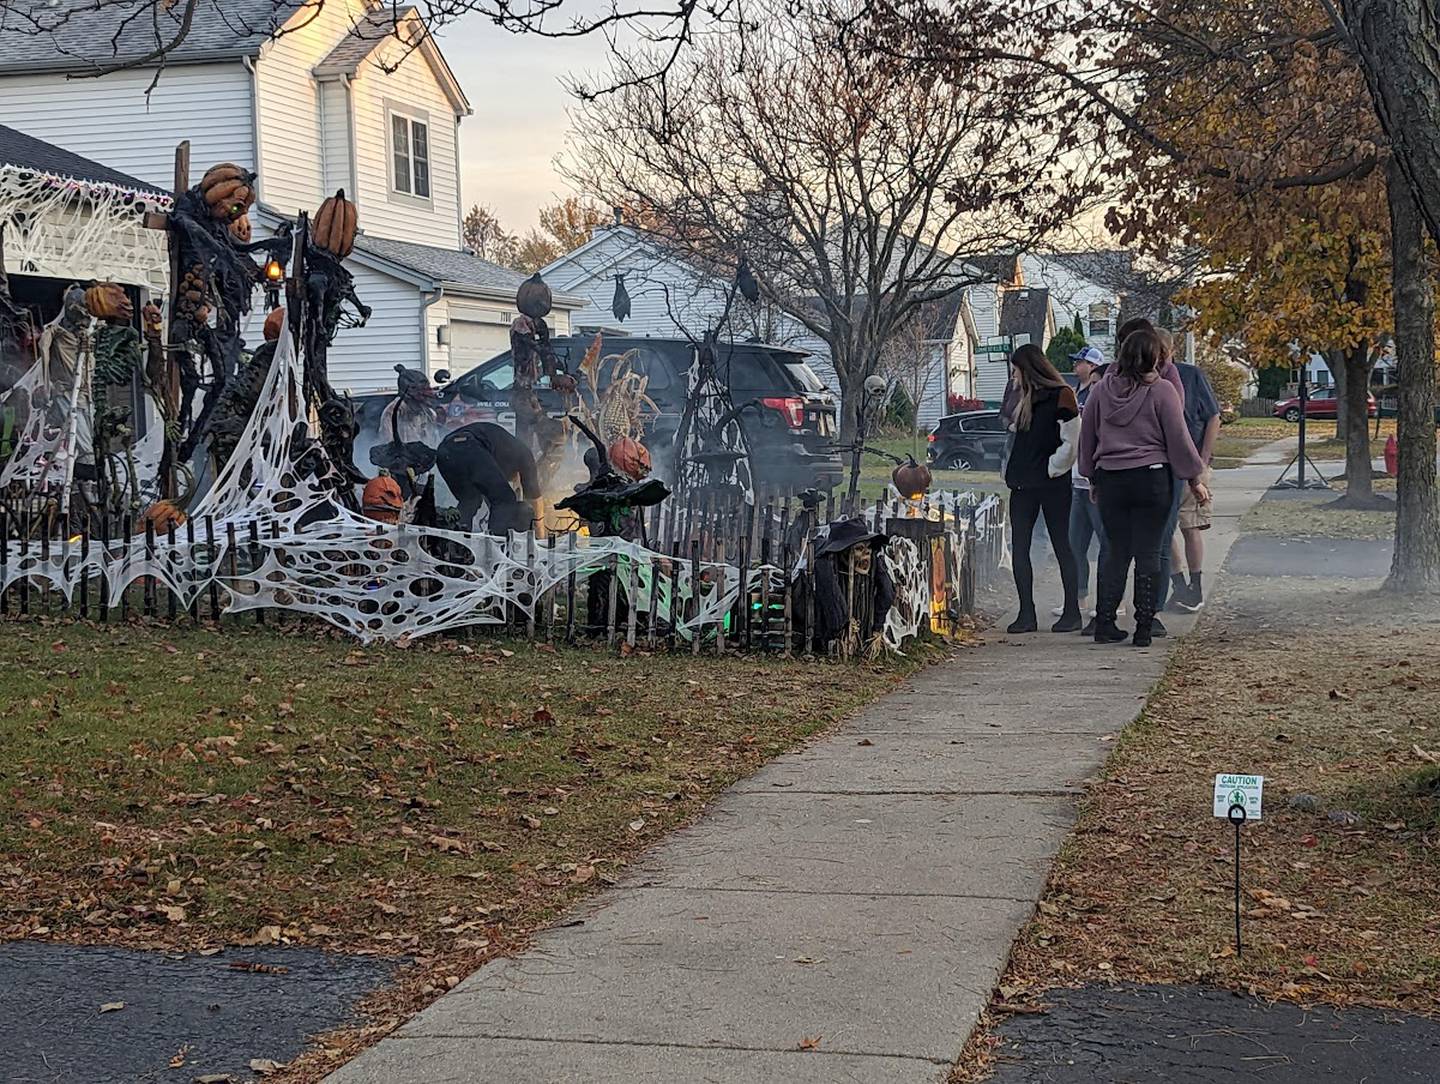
(109,301)
(334,226)
(228,191)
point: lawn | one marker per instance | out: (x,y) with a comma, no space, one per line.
(1300,518)
(186,789)
(1244,436)
(875,471)
(1329,696)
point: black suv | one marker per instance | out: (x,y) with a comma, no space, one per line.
(973,440)
(790,421)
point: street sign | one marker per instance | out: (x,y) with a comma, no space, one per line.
(1241,790)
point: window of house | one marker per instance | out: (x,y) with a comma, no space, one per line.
(410,156)
(1099,319)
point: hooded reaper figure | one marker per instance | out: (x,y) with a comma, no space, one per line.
(412,420)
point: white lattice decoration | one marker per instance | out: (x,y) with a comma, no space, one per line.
(382,582)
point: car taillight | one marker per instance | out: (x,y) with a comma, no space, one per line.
(930,437)
(793,410)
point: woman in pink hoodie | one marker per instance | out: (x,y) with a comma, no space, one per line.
(1133,444)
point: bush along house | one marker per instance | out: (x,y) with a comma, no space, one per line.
(314,98)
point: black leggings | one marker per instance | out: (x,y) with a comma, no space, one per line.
(1026,506)
(1134,507)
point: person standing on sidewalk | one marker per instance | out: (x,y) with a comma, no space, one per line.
(1187,543)
(1133,445)
(1085,525)
(1045,417)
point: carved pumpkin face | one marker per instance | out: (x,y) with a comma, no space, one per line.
(108,301)
(228,190)
(382,500)
(630,457)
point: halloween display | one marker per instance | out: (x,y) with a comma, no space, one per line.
(533,357)
(382,500)
(533,298)
(911,479)
(630,457)
(108,301)
(240,229)
(412,421)
(482,463)
(228,191)
(334,226)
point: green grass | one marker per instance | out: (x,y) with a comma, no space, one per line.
(875,471)
(187,788)
(1311,519)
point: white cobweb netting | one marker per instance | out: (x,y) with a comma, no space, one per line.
(300,549)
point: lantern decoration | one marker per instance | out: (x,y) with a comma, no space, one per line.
(911,479)
(382,500)
(274,324)
(533,298)
(240,229)
(109,301)
(335,224)
(228,191)
(630,457)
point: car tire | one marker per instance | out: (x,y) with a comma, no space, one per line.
(1293,415)
(959,461)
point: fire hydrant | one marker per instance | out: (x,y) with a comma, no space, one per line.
(1392,456)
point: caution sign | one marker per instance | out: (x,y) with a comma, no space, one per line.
(1242,790)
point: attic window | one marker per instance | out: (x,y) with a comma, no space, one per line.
(1099,319)
(410,156)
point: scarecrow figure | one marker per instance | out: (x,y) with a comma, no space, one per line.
(533,354)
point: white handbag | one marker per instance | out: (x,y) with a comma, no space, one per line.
(1063,457)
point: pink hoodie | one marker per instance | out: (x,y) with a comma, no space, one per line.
(1128,424)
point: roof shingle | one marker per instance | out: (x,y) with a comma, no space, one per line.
(443,264)
(364,38)
(27,152)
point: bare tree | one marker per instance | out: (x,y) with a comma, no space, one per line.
(914,359)
(484,236)
(857,190)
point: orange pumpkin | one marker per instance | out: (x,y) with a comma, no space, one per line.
(382,500)
(109,301)
(911,479)
(240,229)
(274,324)
(334,225)
(629,456)
(228,191)
(163,514)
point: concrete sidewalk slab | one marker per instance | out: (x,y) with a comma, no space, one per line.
(947,845)
(867,894)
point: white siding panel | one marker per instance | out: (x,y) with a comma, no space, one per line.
(292,167)
(335,116)
(413,87)
(110,120)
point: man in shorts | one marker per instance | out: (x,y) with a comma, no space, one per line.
(1187,544)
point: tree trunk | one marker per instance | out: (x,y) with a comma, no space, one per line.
(1416,563)
(1359,492)
(1335,359)
(1398,41)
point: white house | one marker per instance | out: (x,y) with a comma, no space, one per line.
(671,297)
(1084,285)
(313,96)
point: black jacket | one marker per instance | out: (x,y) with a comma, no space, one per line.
(1029,464)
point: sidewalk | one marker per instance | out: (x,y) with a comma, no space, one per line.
(842,915)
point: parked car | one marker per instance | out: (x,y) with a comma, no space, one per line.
(970,440)
(789,416)
(1321,403)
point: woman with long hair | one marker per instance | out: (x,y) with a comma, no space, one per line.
(1042,414)
(1133,445)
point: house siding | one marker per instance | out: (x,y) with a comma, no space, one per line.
(292,139)
(410,87)
(110,120)
(335,145)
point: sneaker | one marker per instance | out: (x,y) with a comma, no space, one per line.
(1187,601)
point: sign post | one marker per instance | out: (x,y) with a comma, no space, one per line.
(1238,799)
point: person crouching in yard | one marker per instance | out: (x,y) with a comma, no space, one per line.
(1045,418)
(1133,445)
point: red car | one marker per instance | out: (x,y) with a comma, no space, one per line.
(1321,404)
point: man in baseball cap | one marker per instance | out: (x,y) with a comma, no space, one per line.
(1090,354)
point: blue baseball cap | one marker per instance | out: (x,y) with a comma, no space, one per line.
(1093,354)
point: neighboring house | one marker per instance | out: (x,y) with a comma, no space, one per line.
(1083,284)
(671,297)
(314,97)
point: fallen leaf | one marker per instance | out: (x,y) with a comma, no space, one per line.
(542,716)
(265,935)
(810,1043)
(451,846)
(112,1006)
(266,1066)
(215,1078)
(637,824)
(864,741)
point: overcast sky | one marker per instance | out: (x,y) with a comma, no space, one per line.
(514,85)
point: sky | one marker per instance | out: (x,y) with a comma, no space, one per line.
(508,147)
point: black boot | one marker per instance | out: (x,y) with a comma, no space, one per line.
(1145,599)
(1089,629)
(1070,619)
(1107,601)
(1026,622)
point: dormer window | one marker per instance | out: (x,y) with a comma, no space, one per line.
(409,155)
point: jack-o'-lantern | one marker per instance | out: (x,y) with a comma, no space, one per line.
(274,324)
(164,514)
(334,225)
(911,479)
(240,229)
(382,500)
(228,191)
(629,456)
(533,298)
(109,301)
